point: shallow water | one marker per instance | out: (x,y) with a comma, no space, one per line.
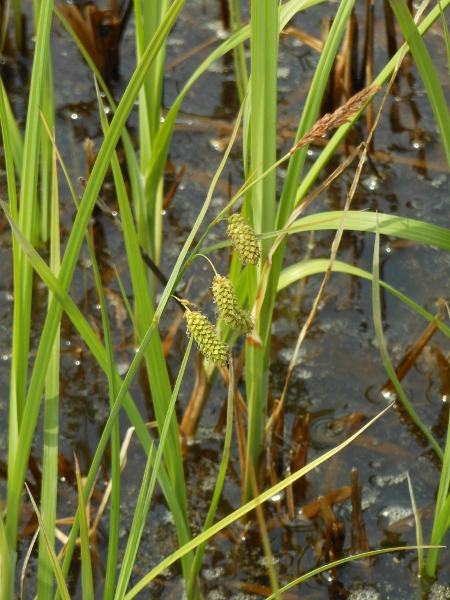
(339,370)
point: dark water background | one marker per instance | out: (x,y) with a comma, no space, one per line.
(339,370)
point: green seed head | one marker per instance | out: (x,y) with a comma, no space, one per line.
(206,337)
(238,319)
(244,239)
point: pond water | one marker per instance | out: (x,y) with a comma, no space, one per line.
(339,371)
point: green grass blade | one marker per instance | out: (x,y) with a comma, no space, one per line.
(23,283)
(446,34)
(15,141)
(7,125)
(60,579)
(114,514)
(87,582)
(441,526)
(220,480)
(442,511)
(259,205)
(408,229)
(426,70)
(48,112)
(137,527)
(339,562)
(149,218)
(419,536)
(51,418)
(139,519)
(243,510)
(240,65)
(319,265)
(27,216)
(384,353)
(7,564)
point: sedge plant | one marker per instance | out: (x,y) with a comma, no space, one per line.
(256,282)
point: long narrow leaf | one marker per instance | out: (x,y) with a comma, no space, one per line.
(138,522)
(319,265)
(416,513)
(87,582)
(7,563)
(442,510)
(137,527)
(408,229)
(384,353)
(220,477)
(51,417)
(341,561)
(62,587)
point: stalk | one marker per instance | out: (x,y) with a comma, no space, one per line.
(148,216)
(51,420)
(260,203)
(263,206)
(22,268)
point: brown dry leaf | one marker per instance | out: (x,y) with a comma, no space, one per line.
(118,305)
(189,53)
(444,372)
(345,425)
(358,538)
(242,440)
(325,509)
(404,525)
(298,454)
(170,337)
(311,510)
(100,32)
(379,445)
(173,188)
(91,156)
(199,395)
(277,440)
(305,38)
(410,357)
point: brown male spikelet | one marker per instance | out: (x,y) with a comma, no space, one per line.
(244,239)
(206,337)
(238,319)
